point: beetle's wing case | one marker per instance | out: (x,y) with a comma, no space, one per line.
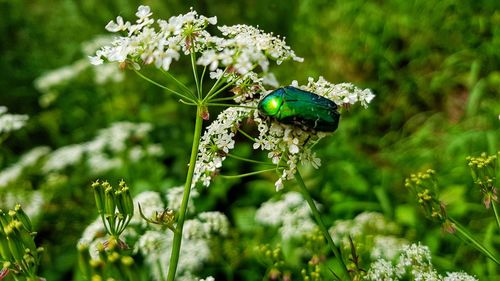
(308,110)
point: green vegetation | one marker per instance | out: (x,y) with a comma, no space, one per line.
(434,67)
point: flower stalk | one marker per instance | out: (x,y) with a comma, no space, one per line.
(176,246)
(317,216)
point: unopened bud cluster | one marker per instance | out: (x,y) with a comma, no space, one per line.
(483,170)
(424,186)
(273,258)
(115,206)
(18,251)
(112,263)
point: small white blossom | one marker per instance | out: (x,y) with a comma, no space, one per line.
(156,247)
(381,270)
(92,231)
(216,143)
(174,198)
(458,276)
(290,214)
(11,122)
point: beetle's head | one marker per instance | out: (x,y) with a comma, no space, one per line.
(270,105)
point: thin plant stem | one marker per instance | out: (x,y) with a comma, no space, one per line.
(495,211)
(163,87)
(217,82)
(230,105)
(184,87)
(249,160)
(319,221)
(464,235)
(202,77)
(176,244)
(195,73)
(247,174)
(223,99)
(246,135)
(216,92)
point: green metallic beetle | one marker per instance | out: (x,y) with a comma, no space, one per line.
(294,106)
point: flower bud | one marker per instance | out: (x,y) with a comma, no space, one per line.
(23,217)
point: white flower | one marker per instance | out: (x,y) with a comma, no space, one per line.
(458,276)
(119,25)
(414,264)
(156,247)
(92,231)
(143,12)
(387,247)
(174,198)
(216,143)
(290,214)
(381,270)
(11,122)
(206,225)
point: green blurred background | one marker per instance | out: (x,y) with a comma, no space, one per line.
(433,65)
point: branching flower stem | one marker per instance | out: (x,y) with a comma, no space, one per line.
(163,87)
(176,245)
(495,211)
(467,237)
(247,174)
(319,221)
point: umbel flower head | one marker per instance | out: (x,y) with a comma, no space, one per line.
(241,47)
(424,186)
(237,59)
(286,145)
(483,170)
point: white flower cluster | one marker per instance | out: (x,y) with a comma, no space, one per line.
(150,202)
(206,225)
(414,263)
(27,160)
(342,94)
(377,236)
(365,223)
(216,143)
(113,139)
(241,48)
(48,81)
(287,145)
(32,201)
(156,246)
(174,199)
(291,214)
(144,44)
(11,122)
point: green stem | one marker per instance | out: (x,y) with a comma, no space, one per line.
(184,87)
(246,135)
(321,225)
(493,204)
(231,105)
(217,82)
(195,73)
(249,160)
(218,91)
(176,244)
(223,99)
(163,87)
(246,174)
(464,235)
